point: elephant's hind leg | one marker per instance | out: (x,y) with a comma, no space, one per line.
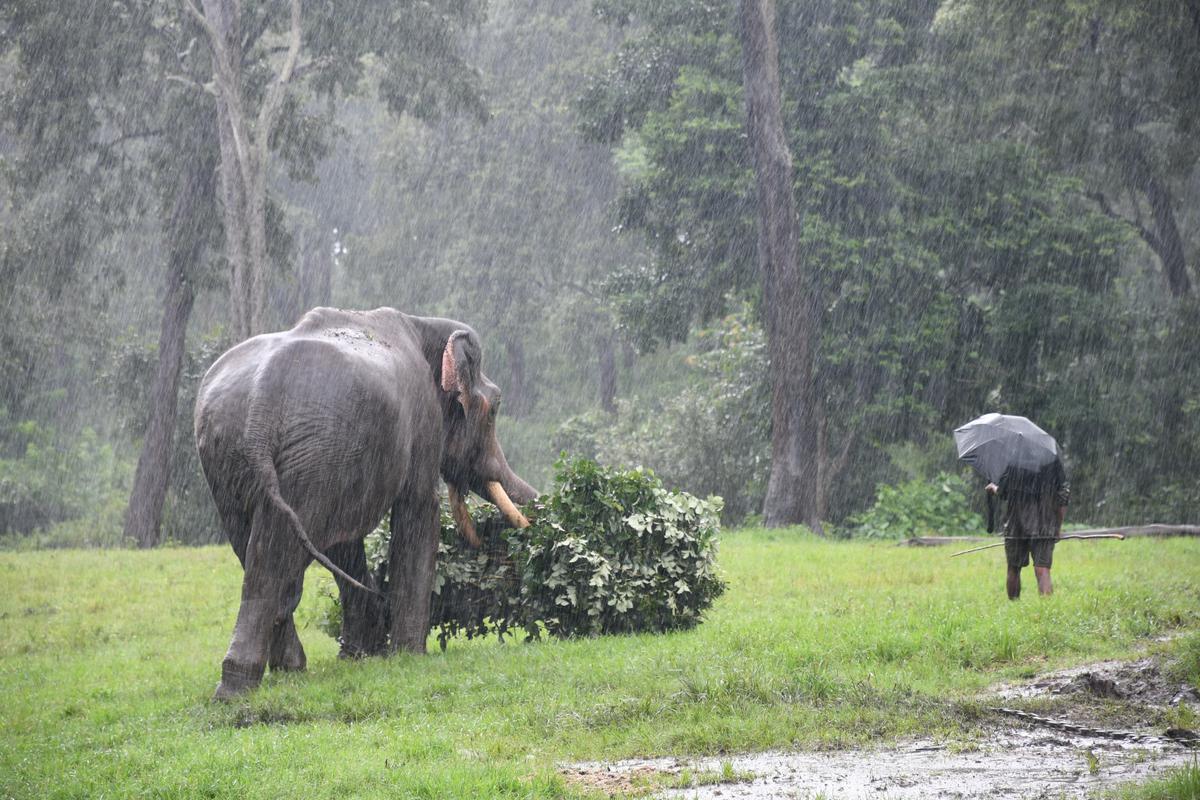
(286,654)
(275,564)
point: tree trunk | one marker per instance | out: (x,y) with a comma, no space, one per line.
(790,307)
(1168,245)
(824,478)
(143,518)
(245,151)
(517,394)
(233,210)
(608,375)
(314,253)
(222,22)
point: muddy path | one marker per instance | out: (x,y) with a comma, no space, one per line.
(1072,734)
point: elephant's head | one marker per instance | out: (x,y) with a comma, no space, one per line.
(472,460)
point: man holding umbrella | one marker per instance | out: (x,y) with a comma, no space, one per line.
(1022,465)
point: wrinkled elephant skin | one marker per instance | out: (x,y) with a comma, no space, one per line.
(308,436)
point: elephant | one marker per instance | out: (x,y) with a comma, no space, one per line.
(308,436)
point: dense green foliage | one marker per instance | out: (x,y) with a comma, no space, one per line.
(964,260)
(709,433)
(44,483)
(612,551)
(918,507)
(997,205)
(815,644)
(608,551)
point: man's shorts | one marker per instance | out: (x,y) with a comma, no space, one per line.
(1019,549)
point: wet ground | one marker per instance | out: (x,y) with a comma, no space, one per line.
(1071,734)
(1141,682)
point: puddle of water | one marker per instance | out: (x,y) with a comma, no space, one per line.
(1011,760)
(1016,763)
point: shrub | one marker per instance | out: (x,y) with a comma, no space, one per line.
(54,476)
(608,551)
(919,508)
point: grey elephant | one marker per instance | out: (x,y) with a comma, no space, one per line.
(308,436)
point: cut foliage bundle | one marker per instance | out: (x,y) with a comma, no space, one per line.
(608,551)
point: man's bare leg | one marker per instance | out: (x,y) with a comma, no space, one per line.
(1045,585)
(1014,583)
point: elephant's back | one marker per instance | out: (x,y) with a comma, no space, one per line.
(313,363)
(336,409)
(223,399)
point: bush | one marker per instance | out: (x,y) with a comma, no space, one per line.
(608,551)
(53,476)
(919,508)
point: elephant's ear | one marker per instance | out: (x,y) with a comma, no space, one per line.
(457,368)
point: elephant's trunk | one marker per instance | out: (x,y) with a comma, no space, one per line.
(501,499)
(462,517)
(520,491)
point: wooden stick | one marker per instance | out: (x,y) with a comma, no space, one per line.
(935,541)
(1155,529)
(1059,539)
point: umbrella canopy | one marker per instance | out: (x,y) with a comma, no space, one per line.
(996,443)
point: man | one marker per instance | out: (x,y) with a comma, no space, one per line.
(1036,507)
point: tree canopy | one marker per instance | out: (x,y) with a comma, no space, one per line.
(995,204)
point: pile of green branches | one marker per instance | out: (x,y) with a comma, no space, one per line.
(607,551)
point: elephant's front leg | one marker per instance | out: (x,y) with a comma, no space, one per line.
(412,564)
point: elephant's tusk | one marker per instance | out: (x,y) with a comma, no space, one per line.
(502,501)
(462,517)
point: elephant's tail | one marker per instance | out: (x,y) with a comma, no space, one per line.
(271,486)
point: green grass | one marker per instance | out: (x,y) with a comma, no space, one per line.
(108,659)
(1179,784)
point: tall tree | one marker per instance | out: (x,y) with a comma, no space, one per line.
(117,116)
(262,62)
(189,223)
(674,105)
(791,304)
(245,150)
(1108,90)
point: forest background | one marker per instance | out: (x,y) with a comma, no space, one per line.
(998,205)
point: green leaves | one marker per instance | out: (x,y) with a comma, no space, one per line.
(609,551)
(919,508)
(639,558)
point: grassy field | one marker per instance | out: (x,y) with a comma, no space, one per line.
(108,660)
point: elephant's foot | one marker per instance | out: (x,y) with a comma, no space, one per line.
(237,679)
(290,661)
(363,637)
(409,644)
(355,650)
(286,652)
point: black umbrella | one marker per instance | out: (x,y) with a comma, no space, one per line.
(999,443)
(1003,447)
